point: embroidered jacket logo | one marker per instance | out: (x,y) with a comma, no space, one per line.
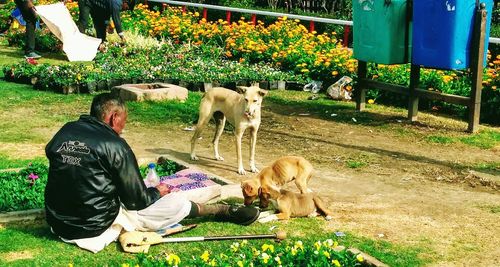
(74,147)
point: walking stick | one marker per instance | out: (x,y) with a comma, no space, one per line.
(280,235)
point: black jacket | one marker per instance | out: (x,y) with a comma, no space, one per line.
(91,171)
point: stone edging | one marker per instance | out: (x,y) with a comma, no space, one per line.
(23,215)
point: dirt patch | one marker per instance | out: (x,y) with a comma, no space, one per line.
(18,255)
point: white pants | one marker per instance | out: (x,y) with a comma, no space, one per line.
(167,211)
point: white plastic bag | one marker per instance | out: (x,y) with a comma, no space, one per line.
(338,91)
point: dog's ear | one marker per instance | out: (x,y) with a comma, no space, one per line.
(241,89)
(247,189)
(264,199)
(263,92)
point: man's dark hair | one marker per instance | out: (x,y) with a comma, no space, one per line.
(105,103)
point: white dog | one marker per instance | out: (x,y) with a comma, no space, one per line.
(241,109)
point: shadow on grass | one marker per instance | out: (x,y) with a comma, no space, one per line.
(296,103)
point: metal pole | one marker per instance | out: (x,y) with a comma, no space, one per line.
(347,30)
(228,17)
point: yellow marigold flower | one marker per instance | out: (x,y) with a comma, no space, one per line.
(125,265)
(335,73)
(70,265)
(304,70)
(494,87)
(336,263)
(240,264)
(205,256)
(360,258)
(371,101)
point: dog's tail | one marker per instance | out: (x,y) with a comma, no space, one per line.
(321,207)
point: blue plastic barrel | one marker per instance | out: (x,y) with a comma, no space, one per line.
(442,32)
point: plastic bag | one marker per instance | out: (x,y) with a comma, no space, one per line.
(314,86)
(338,91)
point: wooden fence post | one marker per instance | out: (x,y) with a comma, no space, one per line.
(413,99)
(361,94)
(476,61)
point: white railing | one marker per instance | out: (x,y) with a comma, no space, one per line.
(346,23)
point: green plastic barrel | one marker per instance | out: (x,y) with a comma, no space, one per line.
(379,29)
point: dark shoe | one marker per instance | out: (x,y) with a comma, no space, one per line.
(32,55)
(240,215)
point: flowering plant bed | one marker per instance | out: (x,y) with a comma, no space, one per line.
(298,253)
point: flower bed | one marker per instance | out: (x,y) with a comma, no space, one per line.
(298,253)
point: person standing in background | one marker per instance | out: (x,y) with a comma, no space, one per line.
(116,8)
(83,16)
(28,11)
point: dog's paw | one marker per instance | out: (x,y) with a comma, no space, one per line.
(254,169)
(193,157)
(328,218)
(242,171)
(219,158)
(312,214)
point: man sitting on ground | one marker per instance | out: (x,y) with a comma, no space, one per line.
(95,189)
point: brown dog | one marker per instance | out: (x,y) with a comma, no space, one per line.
(282,171)
(291,204)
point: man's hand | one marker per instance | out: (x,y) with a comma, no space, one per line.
(163,188)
